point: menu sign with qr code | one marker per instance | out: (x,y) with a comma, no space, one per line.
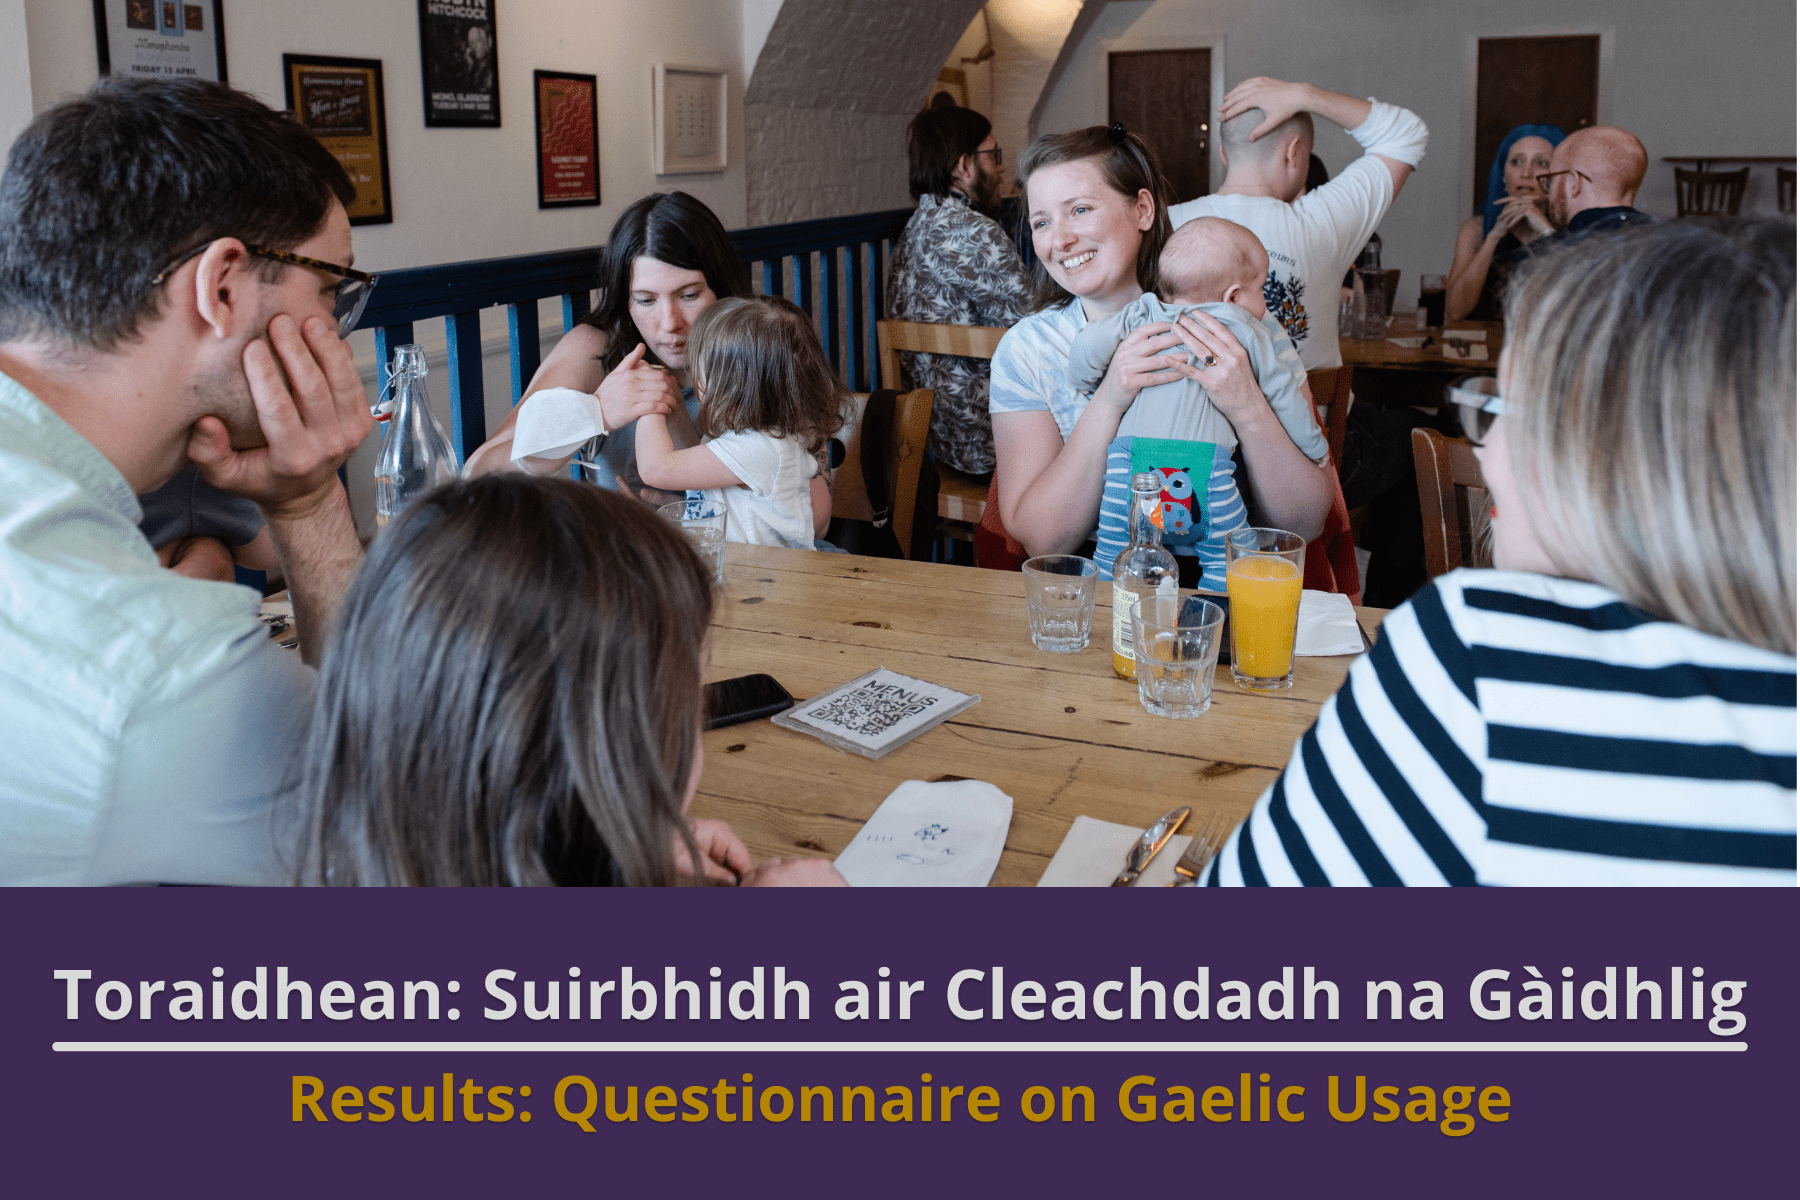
(876,713)
(160,39)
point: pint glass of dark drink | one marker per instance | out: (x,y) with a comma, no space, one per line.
(1431,299)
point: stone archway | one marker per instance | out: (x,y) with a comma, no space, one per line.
(826,108)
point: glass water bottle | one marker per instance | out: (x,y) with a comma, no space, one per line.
(415,454)
(1140,567)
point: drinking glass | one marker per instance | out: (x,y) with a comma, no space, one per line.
(1263,572)
(1176,640)
(704,523)
(1431,299)
(1368,305)
(1059,599)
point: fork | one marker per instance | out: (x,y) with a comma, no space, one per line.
(1200,852)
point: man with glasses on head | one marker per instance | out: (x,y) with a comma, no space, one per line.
(175,281)
(1593,181)
(954,265)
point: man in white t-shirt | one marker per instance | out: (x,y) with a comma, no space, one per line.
(1266,139)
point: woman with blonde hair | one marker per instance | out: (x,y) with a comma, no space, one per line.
(1614,703)
(512,697)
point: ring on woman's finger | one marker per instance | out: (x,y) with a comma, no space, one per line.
(1209,361)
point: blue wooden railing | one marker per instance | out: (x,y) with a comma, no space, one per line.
(832,268)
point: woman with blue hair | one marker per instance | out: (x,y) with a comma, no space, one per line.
(1512,216)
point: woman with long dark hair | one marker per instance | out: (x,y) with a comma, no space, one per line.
(667,259)
(512,697)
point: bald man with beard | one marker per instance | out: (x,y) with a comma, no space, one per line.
(1594,177)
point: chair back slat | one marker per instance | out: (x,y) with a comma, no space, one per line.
(968,341)
(912,428)
(1784,189)
(525,351)
(1331,397)
(1709,193)
(468,415)
(1452,502)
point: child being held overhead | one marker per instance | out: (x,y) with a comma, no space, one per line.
(1215,266)
(768,401)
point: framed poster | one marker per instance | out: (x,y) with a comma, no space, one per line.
(690,115)
(160,39)
(459,63)
(340,102)
(568,134)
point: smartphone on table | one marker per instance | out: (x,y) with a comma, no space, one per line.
(746,698)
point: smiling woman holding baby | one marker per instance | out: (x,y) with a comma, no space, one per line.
(1097,211)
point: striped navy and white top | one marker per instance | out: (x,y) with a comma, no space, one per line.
(1517,729)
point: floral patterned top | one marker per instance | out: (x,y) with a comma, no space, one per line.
(953,266)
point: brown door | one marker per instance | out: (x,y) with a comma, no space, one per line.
(1532,81)
(1165,96)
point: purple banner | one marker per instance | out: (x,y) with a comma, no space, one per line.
(886,1043)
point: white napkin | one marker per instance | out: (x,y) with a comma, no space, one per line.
(931,835)
(555,422)
(1327,625)
(1093,853)
(1409,343)
(1465,352)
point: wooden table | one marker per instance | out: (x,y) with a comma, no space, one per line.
(1381,353)
(1058,733)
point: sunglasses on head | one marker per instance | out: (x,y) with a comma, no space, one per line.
(1479,404)
(348,301)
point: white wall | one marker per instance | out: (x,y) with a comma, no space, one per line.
(468,193)
(1685,80)
(980,76)
(15,71)
(458,193)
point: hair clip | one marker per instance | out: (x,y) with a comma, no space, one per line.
(1115,133)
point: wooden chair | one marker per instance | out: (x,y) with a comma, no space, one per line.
(1709,193)
(961,500)
(1453,502)
(1784,189)
(1331,396)
(912,430)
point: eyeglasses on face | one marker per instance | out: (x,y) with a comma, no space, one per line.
(1543,181)
(348,301)
(1478,407)
(999,155)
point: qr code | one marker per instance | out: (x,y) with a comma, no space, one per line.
(873,708)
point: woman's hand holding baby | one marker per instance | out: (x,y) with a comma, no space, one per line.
(1142,360)
(1231,380)
(634,389)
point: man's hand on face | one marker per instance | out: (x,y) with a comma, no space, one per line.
(313,419)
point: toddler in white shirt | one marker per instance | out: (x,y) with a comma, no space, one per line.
(768,400)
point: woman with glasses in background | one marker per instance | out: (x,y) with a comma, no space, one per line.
(1614,703)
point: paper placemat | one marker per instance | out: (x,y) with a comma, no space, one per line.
(931,835)
(1093,853)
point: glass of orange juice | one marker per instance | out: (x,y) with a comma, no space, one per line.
(1263,570)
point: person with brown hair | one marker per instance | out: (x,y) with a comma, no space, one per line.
(667,259)
(1614,703)
(768,400)
(513,698)
(955,265)
(175,282)
(1096,206)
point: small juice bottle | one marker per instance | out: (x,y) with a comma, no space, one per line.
(1140,567)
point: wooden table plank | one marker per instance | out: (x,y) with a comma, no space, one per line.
(1381,353)
(1058,733)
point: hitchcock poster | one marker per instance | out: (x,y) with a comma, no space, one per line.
(458,63)
(160,39)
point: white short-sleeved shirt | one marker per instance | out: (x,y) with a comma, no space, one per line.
(1311,243)
(774,507)
(145,719)
(1031,366)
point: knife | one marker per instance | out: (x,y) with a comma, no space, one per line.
(1152,841)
